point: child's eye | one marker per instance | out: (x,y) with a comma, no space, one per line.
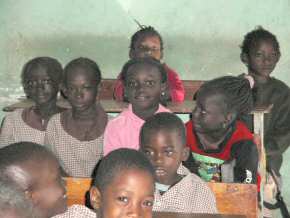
(169,152)
(258,55)
(123,199)
(46,81)
(148,153)
(132,84)
(150,83)
(148,203)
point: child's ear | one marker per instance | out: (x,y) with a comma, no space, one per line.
(95,197)
(63,89)
(185,153)
(131,53)
(244,58)
(230,117)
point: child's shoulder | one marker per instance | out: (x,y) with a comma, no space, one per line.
(278,84)
(77,211)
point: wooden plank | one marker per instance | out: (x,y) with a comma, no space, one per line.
(232,198)
(200,215)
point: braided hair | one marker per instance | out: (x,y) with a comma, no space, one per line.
(236,91)
(86,64)
(144,32)
(51,65)
(143,61)
(116,162)
(252,38)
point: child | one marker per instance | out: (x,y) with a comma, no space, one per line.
(223,149)
(145,81)
(13,202)
(41,78)
(163,140)
(123,187)
(260,53)
(76,135)
(37,173)
(147,42)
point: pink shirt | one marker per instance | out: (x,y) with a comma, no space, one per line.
(123,131)
(176,87)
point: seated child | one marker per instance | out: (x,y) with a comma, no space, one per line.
(76,135)
(147,42)
(41,78)
(163,140)
(123,187)
(13,202)
(37,173)
(222,147)
(145,80)
(260,53)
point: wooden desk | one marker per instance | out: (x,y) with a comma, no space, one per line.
(110,106)
(180,215)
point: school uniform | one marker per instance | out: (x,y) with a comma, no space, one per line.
(190,195)
(235,159)
(77,211)
(123,131)
(175,85)
(277,122)
(78,158)
(14,129)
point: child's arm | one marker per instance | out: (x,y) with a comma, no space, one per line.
(7,131)
(176,87)
(119,89)
(246,155)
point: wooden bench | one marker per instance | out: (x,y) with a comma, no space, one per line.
(232,198)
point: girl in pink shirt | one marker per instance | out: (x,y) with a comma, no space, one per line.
(145,81)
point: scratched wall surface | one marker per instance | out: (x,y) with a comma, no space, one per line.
(202,37)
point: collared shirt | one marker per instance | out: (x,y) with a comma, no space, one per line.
(77,211)
(123,131)
(14,129)
(78,158)
(190,195)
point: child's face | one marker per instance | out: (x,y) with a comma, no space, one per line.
(40,87)
(166,152)
(147,47)
(262,58)
(81,89)
(43,184)
(209,114)
(130,194)
(144,87)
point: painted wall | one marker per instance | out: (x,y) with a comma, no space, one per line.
(202,37)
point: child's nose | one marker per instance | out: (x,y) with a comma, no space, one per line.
(135,210)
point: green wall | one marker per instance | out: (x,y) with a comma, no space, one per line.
(202,37)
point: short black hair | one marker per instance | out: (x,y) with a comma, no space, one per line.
(255,36)
(162,121)
(118,160)
(237,93)
(143,61)
(86,64)
(51,65)
(20,153)
(144,32)
(12,198)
